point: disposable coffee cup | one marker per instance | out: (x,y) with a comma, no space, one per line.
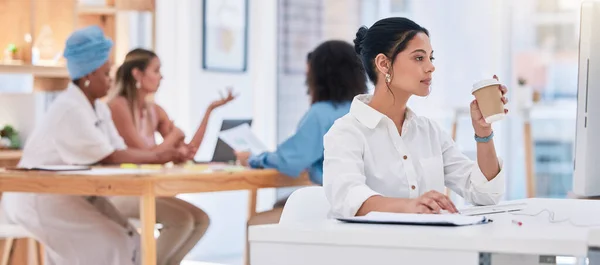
(489,98)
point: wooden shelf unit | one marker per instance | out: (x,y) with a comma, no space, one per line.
(41,71)
(96,10)
(27,20)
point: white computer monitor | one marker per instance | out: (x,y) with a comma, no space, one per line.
(586,176)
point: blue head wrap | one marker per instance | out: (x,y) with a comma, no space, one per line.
(86,50)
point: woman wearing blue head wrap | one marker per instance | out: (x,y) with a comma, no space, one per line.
(78,130)
(87,52)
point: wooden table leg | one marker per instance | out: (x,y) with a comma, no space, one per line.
(454,128)
(252,203)
(251,212)
(8,250)
(529,160)
(40,253)
(33,254)
(148,219)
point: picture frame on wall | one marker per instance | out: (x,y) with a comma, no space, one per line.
(225,35)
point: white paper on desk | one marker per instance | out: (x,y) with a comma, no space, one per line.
(111,171)
(241,138)
(59,168)
(418,219)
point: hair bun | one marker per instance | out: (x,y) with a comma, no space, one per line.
(360,36)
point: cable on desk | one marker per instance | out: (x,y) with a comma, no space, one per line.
(552,218)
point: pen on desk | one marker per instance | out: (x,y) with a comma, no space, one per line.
(519,223)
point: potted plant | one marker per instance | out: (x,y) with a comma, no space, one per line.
(9,138)
(10,53)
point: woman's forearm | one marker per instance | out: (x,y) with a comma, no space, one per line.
(199,135)
(171,140)
(379,203)
(486,156)
(136,156)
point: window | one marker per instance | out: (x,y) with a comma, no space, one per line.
(399,6)
(545,56)
(537,57)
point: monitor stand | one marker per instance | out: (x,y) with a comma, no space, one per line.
(572,195)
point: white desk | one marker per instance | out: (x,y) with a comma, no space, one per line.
(594,246)
(333,242)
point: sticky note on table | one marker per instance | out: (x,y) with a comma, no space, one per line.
(129,165)
(151,166)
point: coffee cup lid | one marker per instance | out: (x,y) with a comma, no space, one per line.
(484,83)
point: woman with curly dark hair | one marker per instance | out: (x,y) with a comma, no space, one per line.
(335,75)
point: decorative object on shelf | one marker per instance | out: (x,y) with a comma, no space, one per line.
(9,138)
(225,35)
(527,93)
(523,94)
(43,51)
(10,53)
(537,96)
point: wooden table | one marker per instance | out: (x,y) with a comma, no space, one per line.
(9,158)
(148,184)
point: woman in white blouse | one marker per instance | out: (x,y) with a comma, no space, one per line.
(77,129)
(383,157)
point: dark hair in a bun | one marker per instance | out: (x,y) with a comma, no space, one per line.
(388,36)
(360,36)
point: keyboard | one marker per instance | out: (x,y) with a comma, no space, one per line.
(491,209)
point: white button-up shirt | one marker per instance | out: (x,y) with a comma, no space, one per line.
(366,156)
(72,133)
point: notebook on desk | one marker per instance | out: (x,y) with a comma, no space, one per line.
(417,219)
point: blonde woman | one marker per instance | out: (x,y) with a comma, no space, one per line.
(137,120)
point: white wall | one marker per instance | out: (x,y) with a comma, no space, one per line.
(339,20)
(332,19)
(470,40)
(187,90)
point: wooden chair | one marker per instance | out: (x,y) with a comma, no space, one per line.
(13,236)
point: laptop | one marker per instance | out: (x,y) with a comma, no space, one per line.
(223,153)
(504,207)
